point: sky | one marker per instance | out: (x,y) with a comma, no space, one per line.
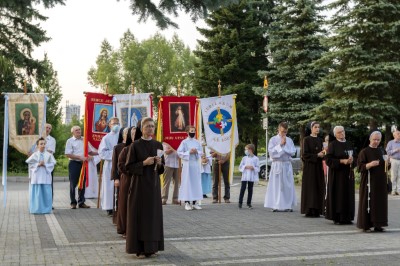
(77,30)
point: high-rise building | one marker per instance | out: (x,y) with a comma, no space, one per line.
(71,111)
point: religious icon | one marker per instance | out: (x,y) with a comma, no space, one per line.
(26,125)
(179,114)
(102,118)
(136,113)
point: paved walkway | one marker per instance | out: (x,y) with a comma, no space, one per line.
(220,234)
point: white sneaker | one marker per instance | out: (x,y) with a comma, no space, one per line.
(188,207)
(197,206)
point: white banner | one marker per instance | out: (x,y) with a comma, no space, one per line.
(131,108)
(220,123)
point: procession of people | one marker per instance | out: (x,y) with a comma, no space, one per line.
(133,190)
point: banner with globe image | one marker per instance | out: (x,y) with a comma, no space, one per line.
(220,124)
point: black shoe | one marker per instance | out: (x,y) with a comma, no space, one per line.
(288,210)
(249,206)
(205,196)
(240,205)
(109,212)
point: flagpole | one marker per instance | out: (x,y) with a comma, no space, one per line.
(101,168)
(178,93)
(265,124)
(219,162)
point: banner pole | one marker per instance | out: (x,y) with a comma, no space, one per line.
(219,162)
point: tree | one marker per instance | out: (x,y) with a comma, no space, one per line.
(48,84)
(196,8)
(295,43)
(108,69)
(155,65)
(361,87)
(233,52)
(19,35)
(20,32)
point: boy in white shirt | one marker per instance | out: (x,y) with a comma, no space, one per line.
(249,166)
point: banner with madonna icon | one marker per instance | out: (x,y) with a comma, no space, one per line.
(130,108)
(24,124)
(174,114)
(26,120)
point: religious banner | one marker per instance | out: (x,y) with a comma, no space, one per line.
(24,124)
(174,114)
(98,111)
(130,108)
(26,120)
(220,124)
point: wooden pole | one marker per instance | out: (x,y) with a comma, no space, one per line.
(99,183)
(179,88)
(133,88)
(219,161)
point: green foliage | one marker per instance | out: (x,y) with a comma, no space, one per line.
(20,33)
(364,60)
(195,8)
(298,177)
(294,45)
(155,65)
(233,52)
(48,84)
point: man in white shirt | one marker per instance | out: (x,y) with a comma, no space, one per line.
(74,151)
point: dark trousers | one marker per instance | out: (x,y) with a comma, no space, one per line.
(74,169)
(249,185)
(52,187)
(225,175)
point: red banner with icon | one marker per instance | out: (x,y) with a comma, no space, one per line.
(175,113)
(98,111)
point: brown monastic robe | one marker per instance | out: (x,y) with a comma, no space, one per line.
(378,204)
(115,175)
(144,229)
(124,183)
(340,202)
(313,181)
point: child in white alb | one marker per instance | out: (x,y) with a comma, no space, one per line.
(250,167)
